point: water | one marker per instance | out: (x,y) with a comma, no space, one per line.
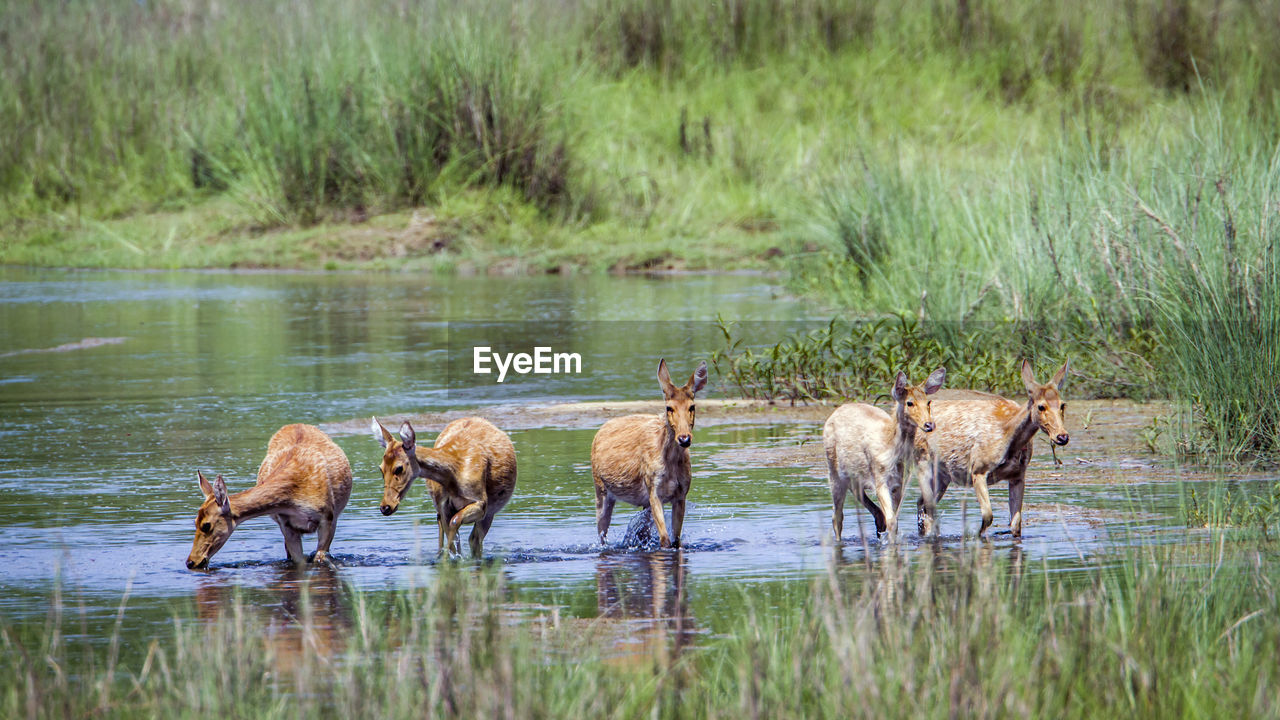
(116,387)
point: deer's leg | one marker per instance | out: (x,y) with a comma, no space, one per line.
(984,501)
(1015,506)
(885,496)
(837,511)
(324,536)
(927,504)
(468,514)
(292,542)
(478,533)
(839,490)
(897,493)
(443,512)
(876,513)
(659,518)
(677,519)
(604,511)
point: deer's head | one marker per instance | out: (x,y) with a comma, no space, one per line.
(399,464)
(679,399)
(1048,411)
(913,400)
(214,523)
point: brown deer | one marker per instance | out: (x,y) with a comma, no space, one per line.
(303,484)
(984,438)
(868,447)
(470,475)
(644,459)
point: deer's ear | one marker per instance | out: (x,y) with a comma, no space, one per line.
(220,495)
(408,436)
(1029,379)
(205,487)
(664,376)
(698,379)
(1060,377)
(934,383)
(899,387)
(380,433)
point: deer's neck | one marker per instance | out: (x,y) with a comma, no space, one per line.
(259,500)
(439,465)
(1018,432)
(904,437)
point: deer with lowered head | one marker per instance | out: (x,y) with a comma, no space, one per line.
(303,484)
(470,475)
(984,438)
(870,450)
(644,459)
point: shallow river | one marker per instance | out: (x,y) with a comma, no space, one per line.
(116,387)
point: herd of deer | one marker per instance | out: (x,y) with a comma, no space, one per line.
(965,437)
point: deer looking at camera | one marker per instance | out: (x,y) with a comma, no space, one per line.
(470,475)
(644,459)
(984,438)
(303,484)
(870,449)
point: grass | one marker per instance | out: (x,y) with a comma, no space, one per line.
(1180,630)
(1162,251)
(1092,177)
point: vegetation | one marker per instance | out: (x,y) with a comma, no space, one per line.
(858,359)
(1100,174)
(1171,631)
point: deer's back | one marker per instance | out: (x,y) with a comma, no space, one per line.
(969,426)
(306,464)
(477,442)
(854,427)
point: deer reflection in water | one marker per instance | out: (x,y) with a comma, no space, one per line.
(302,615)
(642,602)
(897,576)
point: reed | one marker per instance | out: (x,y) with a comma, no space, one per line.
(1178,629)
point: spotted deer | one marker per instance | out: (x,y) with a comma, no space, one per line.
(984,438)
(303,484)
(871,450)
(644,459)
(470,474)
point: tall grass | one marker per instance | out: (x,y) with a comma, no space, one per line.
(273,104)
(975,631)
(1172,236)
(356,107)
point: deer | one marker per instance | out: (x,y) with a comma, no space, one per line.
(470,474)
(303,484)
(644,459)
(983,438)
(870,449)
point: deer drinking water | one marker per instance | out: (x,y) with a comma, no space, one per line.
(470,475)
(984,438)
(303,484)
(870,449)
(644,459)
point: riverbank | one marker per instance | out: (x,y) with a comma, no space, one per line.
(481,233)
